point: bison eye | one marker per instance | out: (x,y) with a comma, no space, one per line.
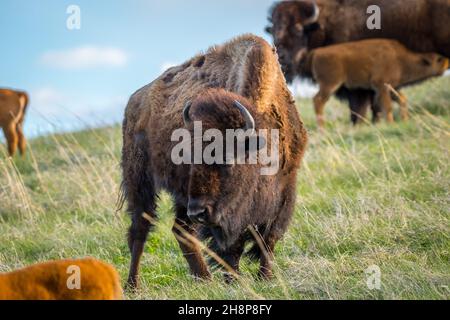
(426,62)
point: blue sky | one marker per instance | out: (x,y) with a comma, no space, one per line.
(85,76)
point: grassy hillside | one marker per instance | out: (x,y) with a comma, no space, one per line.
(367,196)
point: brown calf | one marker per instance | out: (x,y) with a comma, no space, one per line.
(52,281)
(13,105)
(303,25)
(377,65)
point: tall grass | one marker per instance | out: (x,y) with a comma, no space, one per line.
(370,195)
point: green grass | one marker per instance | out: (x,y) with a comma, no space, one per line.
(371,195)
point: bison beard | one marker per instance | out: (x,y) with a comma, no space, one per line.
(421,25)
(227,200)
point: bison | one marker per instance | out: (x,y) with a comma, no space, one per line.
(375,64)
(237,85)
(85,279)
(13,106)
(299,26)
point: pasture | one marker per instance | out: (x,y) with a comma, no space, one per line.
(370,195)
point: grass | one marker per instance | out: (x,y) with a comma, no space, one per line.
(370,195)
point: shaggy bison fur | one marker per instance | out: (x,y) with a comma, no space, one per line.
(49,281)
(216,203)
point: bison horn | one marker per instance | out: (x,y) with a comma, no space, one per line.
(186,118)
(249,120)
(310,13)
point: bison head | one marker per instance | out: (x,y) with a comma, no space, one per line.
(433,64)
(293,24)
(220,191)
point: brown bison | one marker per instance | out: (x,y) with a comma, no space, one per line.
(13,106)
(238,85)
(298,26)
(375,64)
(86,279)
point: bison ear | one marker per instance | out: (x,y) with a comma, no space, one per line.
(255,143)
(309,12)
(268,29)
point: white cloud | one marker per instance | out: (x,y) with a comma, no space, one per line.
(85,57)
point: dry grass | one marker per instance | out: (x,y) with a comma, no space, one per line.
(371,195)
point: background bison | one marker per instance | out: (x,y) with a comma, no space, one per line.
(13,106)
(376,64)
(236,85)
(298,26)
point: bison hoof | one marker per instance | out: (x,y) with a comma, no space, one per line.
(265,274)
(132,285)
(230,277)
(202,277)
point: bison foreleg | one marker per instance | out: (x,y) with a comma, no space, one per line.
(264,246)
(186,236)
(320,100)
(384,100)
(267,239)
(232,257)
(266,259)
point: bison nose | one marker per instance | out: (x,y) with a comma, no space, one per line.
(197,212)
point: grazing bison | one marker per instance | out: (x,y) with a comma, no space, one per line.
(373,64)
(13,106)
(298,26)
(86,279)
(238,85)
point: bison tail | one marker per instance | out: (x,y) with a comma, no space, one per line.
(121,198)
(137,186)
(24,101)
